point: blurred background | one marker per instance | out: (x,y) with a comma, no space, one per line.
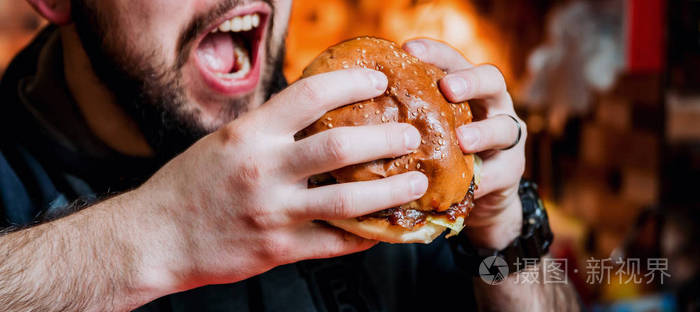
(610,90)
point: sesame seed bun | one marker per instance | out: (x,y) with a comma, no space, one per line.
(412,97)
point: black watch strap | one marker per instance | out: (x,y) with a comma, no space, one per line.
(526,249)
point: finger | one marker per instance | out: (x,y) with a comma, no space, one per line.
(495,133)
(308,99)
(483,82)
(501,171)
(437,53)
(318,241)
(339,147)
(348,200)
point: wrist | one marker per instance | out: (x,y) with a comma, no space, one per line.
(503,229)
(154,242)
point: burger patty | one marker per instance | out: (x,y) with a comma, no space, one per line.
(410,218)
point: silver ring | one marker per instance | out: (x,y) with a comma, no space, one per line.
(520,133)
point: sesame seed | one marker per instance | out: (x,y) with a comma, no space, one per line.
(418,165)
(464,175)
(346,66)
(437,148)
(377,112)
(441,142)
(405,166)
(330,125)
(442,114)
(422,141)
(366,115)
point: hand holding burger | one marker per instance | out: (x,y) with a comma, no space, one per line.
(495,136)
(411,97)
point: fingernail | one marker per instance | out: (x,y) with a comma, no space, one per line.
(416,48)
(419,184)
(468,136)
(457,85)
(411,138)
(378,80)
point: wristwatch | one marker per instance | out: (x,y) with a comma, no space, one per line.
(526,249)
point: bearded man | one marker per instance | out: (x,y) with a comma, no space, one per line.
(148,162)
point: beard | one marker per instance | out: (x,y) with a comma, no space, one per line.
(151,92)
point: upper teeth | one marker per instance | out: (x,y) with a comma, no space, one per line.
(239,23)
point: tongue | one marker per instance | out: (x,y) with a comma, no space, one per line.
(216,52)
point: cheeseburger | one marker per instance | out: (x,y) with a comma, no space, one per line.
(412,97)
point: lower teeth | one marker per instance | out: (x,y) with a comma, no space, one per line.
(242,60)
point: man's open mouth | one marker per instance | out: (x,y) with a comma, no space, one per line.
(229,55)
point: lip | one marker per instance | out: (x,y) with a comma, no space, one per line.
(230,87)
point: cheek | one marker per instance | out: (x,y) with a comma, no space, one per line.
(282,11)
(153,27)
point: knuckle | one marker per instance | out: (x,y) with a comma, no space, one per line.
(338,147)
(259,219)
(274,245)
(231,134)
(495,73)
(482,134)
(523,130)
(248,180)
(473,80)
(337,245)
(250,171)
(521,167)
(398,191)
(340,243)
(341,204)
(393,138)
(308,90)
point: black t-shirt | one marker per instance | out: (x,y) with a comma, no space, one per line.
(49,159)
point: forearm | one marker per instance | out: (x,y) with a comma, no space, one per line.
(83,262)
(521,293)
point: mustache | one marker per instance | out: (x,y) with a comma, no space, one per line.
(200,21)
